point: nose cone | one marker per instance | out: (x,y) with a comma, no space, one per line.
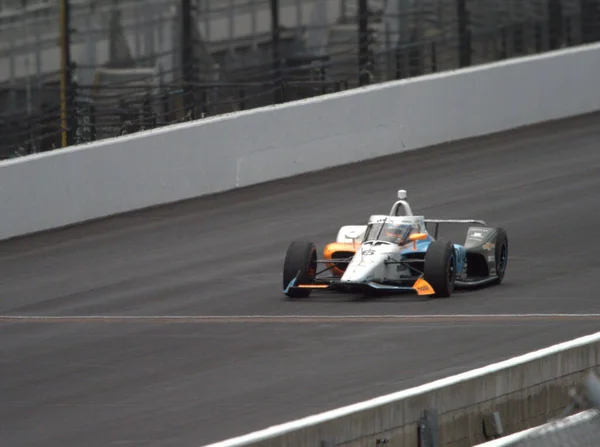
(359,273)
(367,264)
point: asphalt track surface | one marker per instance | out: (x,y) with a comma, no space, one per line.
(188,382)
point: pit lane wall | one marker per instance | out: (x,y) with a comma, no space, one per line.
(526,391)
(174,163)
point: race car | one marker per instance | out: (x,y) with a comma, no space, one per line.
(397,253)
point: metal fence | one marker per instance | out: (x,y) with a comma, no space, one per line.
(139,64)
(581,429)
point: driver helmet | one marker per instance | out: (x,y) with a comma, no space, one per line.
(397,232)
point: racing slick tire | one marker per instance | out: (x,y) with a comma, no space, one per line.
(439,269)
(301,257)
(501,254)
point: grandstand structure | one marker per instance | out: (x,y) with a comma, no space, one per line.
(129,72)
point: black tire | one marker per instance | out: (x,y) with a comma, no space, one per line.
(501,254)
(301,257)
(439,269)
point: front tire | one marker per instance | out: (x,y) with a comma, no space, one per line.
(301,260)
(440,271)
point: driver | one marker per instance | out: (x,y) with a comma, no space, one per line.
(397,233)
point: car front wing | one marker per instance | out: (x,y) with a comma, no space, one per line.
(420,286)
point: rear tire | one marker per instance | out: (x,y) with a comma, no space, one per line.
(440,269)
(501,254)
(301,257)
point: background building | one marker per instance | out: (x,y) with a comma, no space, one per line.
(138,64)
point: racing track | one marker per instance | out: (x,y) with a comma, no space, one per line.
(185,383)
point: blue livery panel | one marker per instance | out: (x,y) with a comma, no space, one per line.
(461,252)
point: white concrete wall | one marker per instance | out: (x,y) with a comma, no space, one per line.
(67,186)
(526,391)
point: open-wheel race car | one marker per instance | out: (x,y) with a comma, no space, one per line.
(397,253)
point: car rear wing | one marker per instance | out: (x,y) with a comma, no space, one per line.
(437,223)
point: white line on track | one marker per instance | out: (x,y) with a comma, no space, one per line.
(292,318)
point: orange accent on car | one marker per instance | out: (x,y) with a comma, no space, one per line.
(339,250)
(417,237)
(423,287)
(312,286)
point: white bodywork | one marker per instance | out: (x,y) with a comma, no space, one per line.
(369,262)
(351,233)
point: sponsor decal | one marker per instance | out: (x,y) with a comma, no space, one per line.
(492,271)
(492,258)
(423,287)
(478,232)
(481,229)
(488,246)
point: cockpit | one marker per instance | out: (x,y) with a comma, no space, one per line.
(394,232)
